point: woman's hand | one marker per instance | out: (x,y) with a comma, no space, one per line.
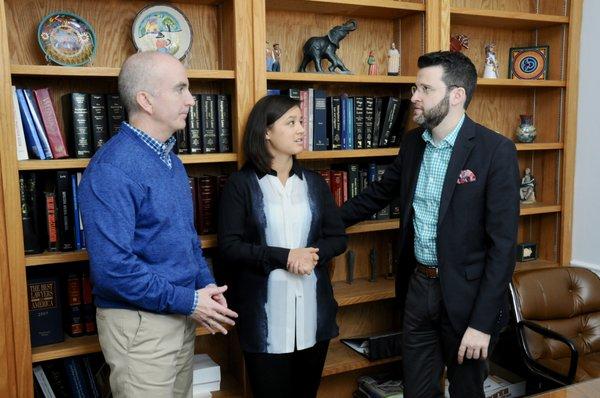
(302,261)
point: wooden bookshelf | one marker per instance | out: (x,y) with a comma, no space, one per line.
(520,83)
(539,208)
(534,264)
(308,77)
(348,154)
(90,71)
(504,19)
(388,9)
(540,146)
(207,241)
(363,291)
(341,358)
(62,164)
(372,226)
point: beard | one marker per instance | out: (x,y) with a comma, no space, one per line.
(430,119)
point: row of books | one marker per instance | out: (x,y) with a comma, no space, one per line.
(349,122)
(347,181)
(85,376)
(50,212)
(92,119)
(60,303)
(208,127)
(383,385)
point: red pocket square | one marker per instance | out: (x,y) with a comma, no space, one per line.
(466,176)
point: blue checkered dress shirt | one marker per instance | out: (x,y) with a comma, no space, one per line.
(162,149)
(426,203)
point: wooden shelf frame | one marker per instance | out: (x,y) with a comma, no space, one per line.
(341,359)
(62,164)
(96,71)
(207,241)
(388,9)
(348,154)
(363,291)
(504,19)
(311,77)
(520,83)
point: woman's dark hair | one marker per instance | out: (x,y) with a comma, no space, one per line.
(264,113)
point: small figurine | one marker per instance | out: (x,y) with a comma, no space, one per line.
(277,57)
(319,47)
(372,64)
(393,61)
(527,190)
(351,256)
(458,42)
(491,64)
(526,132)
(270,59)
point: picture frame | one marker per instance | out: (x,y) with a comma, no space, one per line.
(529,63)
(527,251)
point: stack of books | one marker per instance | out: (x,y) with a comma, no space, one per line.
(207,376)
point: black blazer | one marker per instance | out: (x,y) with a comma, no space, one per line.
(248,261)
(477,222)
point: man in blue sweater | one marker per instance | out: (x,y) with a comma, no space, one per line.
(150,281)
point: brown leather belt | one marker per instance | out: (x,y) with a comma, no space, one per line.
(429,272)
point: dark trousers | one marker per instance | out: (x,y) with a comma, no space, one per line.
(430,342)
(297,374)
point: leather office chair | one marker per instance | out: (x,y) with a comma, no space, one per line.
(558,322)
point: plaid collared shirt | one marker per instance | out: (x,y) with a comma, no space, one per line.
(426,203)
(162,149)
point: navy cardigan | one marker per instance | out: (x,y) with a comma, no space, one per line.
(247,261)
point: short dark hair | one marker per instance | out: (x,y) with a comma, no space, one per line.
(262,116)
(459,70)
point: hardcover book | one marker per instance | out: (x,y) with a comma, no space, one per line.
(45,317)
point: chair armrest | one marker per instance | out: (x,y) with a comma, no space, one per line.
(568,379)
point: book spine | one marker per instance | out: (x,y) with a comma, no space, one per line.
(76,231)
(78,220)
(377,121)
(31,135)
(183,145)
(55,137)
(64,206)
(359,122)
(42,380)
(89,376)
(50,200)
(384,213)
(75,378)
(98,120)
(89,310)
(320,121)
(208,120)
(353,180)
(391,115)
(344,121)
(304,111)
(337,187)
(45,318)
(369,121)
(19,131)
(350,123)
(334,127)
(224,123)
(115,112)
(80,116)
(31,242)
(193,127)
(74,318)
(311,119)
(207,192)
(37,121)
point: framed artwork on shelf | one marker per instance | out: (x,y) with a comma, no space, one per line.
(529,63)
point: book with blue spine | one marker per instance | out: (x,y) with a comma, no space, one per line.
(350,123)
(31,135)
(344,120)
(36,116)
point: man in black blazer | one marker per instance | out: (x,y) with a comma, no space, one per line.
(458,185)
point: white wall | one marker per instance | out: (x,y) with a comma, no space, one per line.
(586,211)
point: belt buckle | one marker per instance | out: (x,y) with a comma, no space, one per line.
(429,272)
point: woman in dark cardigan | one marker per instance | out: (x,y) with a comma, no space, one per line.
(278,228)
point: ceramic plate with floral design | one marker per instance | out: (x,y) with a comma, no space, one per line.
(66,39)
(162,28)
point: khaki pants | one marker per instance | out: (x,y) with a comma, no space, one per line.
(150,355)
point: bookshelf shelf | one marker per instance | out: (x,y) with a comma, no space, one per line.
(208,241)
(341,359)
(348,153)
(79,346)
(542,146)
(388,9)
(535,264)
(309,77)
(363,291)
(539,208)
(62,164)
(373,226)
(62,71)
(504,19)
(520,83)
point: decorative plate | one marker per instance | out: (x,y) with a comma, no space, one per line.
(162,28)
(66,39)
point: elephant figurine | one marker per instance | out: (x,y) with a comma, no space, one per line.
(319,47)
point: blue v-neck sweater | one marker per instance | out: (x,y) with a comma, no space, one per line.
(138,222)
